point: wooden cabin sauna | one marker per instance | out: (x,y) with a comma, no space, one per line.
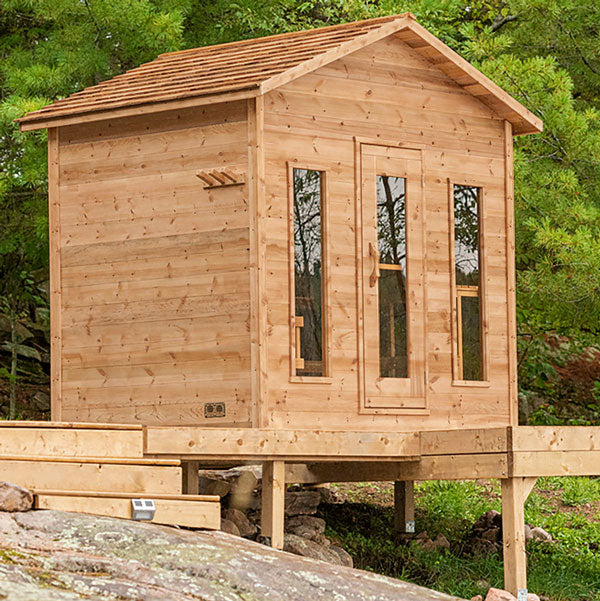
(306,231)
(296,250)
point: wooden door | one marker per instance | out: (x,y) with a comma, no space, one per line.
(393,278)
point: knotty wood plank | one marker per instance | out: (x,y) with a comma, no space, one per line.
(71,442)
(555,438)
(258,314)
(456,442)
(273,502)
(93,477)
(556,463)
(170,511)
(55,273)
(217,442)
(513,535)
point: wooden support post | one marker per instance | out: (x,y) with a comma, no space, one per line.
(404,507)
(513,534)
(190,483)
(273,502)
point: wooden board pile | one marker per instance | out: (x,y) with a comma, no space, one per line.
(99,469)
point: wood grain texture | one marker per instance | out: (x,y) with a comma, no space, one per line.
(179,511)
(70,442)
(273,502)
(155,281)
(324,119)
(513,535)
(246,443)
(55,273)
(91,476)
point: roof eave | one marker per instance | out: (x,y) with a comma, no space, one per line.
(34,121)
(524,122)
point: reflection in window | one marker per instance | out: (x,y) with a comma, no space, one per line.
(308,271)
(468,288)
(391,242)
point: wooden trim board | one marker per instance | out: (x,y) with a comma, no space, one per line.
(192,511)
(54,237)
(93,477)
(256,205)
(133,461)
(434,467)
(68,425)
(142,109)
(71,442)
(555,463)
(553,438)
(280,444)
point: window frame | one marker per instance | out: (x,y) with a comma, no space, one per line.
(325,378)
(457,292)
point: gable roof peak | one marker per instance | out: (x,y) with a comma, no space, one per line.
(253,67)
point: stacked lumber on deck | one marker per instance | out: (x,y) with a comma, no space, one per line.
(98,469)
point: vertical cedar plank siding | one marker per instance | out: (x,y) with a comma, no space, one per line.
(155,278)
(387,92)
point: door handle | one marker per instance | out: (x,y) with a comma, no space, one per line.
(299,323)
(374,254)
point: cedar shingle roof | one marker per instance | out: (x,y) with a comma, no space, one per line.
(258,65)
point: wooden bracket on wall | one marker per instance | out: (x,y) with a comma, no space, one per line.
(220,178)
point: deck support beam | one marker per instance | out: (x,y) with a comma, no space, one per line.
(273,502)
(190,483)
(514,493)
(404,507)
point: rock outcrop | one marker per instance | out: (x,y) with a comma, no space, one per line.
(14,498)
(58,556)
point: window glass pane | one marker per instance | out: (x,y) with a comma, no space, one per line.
(391,223)
(308,275)
(466,235)
(392,324)
(391,242)
(471,338)
(468,286)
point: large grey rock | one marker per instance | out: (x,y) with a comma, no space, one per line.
(345,557)
(229,527)
(208,485)
(57,556)
(308,548)
(540,534)
(14,498)
(244,526)
(302,502)
(308,526)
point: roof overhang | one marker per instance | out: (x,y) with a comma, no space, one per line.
(404,27)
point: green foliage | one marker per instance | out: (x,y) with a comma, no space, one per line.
(565,570)
(452,506)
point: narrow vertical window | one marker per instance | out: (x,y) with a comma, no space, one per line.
(391,242)
(308,271)
(467,258)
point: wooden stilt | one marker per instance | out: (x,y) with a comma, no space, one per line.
(190,480)
(404,507)
(273,502)
(513,533)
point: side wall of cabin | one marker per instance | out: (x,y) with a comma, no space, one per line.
(151,270)
(385,93)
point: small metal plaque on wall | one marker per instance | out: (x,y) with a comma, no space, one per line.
(214,410)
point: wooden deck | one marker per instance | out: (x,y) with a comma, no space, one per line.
(99,468)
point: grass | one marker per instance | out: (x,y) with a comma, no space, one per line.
(566,570)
